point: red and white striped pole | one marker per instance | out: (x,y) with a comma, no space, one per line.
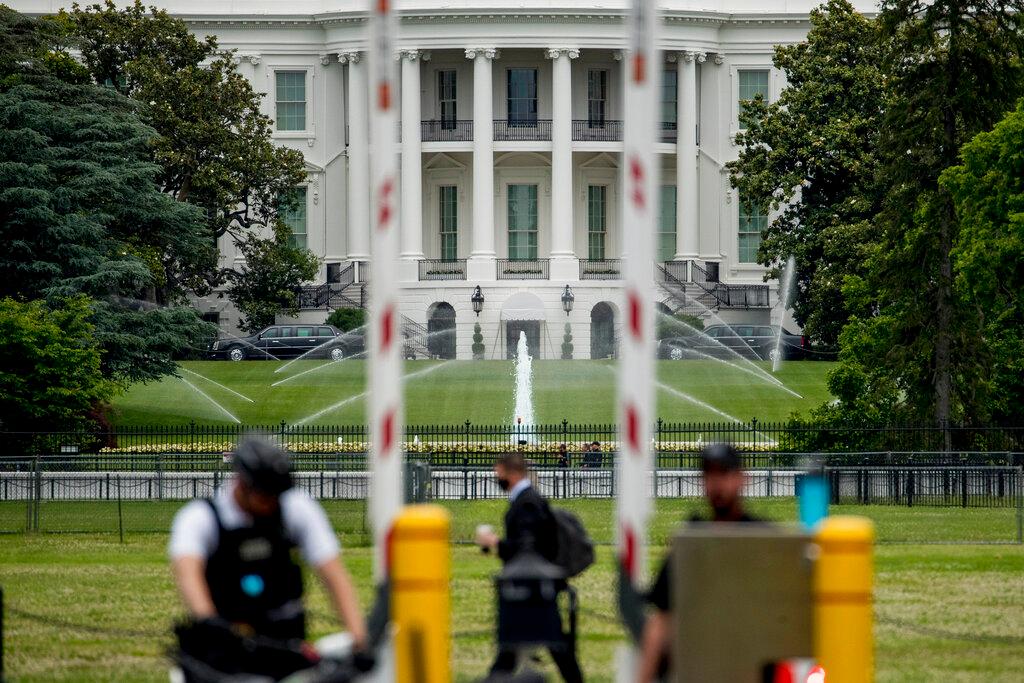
(385,359)
(636,363)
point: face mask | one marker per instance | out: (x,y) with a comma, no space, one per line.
(503,483)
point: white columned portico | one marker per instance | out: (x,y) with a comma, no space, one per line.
(481,265)
(564,265)
(358,195)
(412,165)
(687,210)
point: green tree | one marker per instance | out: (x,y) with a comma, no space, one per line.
(80,212)
(478,343)
(567,346)
(813,154)
(214,148)
(988,191)
(347,319)
(50,374)
(953,69)
(678,325)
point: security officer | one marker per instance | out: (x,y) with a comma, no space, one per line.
(233,556)
(723,485)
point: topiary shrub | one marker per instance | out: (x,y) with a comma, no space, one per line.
(478,343)
(347,319)
(567,343)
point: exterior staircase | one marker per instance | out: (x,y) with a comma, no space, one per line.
(689,289)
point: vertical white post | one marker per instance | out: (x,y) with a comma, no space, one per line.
(358,193)
(481,256)
(687,231)
(412,179)
(563,262)
(385,367)
(636,365)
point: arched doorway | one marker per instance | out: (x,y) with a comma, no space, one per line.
(441,330)
(602,331)
(523,312)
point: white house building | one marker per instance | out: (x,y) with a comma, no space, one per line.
(511,141)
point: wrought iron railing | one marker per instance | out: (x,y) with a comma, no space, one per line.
(446,131)
(600,269)
(597,131)
(668,131)
(522,129)
(517,269)
(440,269)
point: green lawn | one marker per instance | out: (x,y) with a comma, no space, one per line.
(945,612)
(320,392)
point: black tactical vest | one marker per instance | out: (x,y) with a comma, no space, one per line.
(255,580)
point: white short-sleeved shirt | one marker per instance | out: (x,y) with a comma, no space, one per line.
(194,531)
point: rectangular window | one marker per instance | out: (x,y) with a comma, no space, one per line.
(291,100)
(667,224)
(522,222)
(669,99)
(522,97)
(446,98)
(752,82)
(449,200)
(597,224)
(304,332)
(597,97)
(753,221)
(292,210)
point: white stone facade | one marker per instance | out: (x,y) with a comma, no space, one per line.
(563,137)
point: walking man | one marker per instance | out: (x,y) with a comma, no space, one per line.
(529,526)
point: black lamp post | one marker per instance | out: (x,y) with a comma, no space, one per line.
(567,299)
(478,301)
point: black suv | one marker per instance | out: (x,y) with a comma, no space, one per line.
(757,342)
(289,341)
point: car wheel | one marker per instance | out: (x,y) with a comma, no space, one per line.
(676,353)
(774,354)
(337,354)
(236,353)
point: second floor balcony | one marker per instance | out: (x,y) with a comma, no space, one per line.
(446,130)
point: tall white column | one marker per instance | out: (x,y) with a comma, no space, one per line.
(412,163)
(358,195)
(563,258)
(687,210)
(482,254)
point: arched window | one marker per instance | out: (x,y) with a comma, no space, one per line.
(602,331)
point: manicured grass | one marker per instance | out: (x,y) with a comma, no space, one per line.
(951,613)
(451,392)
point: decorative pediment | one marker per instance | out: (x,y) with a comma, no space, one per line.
(442,161)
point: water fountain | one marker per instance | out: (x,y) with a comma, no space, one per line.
(784,296)
(523,392)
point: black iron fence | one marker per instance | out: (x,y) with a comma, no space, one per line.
(522,269)
(586,130)
(442,269)
(446,130)
(935,486)
(522,129)
(676,443)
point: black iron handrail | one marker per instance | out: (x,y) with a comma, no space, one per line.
(522,129)
(588,130)
(600,269)
(446,130)
(521,269)
(441,269)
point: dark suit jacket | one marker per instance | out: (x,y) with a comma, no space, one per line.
(529,523)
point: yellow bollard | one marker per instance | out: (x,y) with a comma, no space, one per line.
(420,592)
(843,590)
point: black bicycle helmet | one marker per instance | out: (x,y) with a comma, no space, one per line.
(263,466)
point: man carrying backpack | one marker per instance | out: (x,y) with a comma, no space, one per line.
(530,525)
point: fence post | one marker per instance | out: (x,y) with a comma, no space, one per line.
(120,516)
(1019,488)
(38,496)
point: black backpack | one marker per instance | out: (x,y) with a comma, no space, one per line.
(575,549)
